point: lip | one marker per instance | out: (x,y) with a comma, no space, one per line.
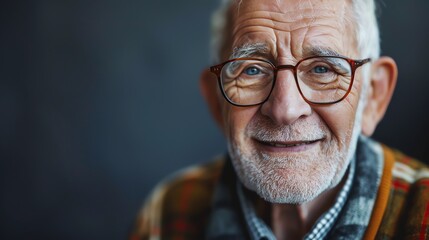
(286,146)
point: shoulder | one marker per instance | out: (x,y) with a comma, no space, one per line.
(407,212)
(407,172)
(179,204)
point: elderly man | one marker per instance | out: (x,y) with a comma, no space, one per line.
(298,88)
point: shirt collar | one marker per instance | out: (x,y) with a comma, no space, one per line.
(259,230)
(235,218)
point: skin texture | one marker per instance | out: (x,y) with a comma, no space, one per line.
(300,180)
(294,174)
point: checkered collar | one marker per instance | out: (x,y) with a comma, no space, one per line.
(259,230)
(233,216)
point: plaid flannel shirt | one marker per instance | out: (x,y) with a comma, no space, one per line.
(181,206)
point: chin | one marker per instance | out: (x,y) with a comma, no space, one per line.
(291,189)
(291,180)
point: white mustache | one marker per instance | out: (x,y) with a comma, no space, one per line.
(301,130)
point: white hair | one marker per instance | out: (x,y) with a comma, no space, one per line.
(218,28)
(366,28)
(364,19)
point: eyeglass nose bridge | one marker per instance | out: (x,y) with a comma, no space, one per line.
(285,67)
(293,70)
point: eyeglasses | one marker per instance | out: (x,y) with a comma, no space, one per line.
(320,79)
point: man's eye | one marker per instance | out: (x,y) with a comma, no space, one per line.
(252,71)
(320,69)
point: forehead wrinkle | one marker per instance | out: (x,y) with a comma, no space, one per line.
(243,34)
(247,31)
(288,15)
(332,42)
(287,21)
(259,24)
(248,38)
(272,20)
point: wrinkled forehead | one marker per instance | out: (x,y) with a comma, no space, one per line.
(324,19)
(289,6)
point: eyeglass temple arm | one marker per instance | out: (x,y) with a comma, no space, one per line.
(359,63)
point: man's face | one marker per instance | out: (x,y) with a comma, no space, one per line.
(286,150)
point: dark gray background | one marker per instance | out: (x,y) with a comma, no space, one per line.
(99,100)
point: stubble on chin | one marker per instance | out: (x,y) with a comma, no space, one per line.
(291,177)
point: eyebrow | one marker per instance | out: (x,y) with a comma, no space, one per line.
(319,51)
(250,49)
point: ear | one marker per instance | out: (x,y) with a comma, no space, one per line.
(209,90)
(383,77)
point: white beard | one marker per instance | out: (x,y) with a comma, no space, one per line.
(292,178)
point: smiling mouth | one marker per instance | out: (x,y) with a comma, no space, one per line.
(287,145)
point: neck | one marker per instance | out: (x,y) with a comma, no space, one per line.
(293,221)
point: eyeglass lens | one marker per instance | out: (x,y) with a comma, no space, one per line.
(320,79)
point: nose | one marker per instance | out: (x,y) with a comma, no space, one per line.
(285,104)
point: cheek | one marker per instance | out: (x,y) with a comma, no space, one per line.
(340,118)
(236,120)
